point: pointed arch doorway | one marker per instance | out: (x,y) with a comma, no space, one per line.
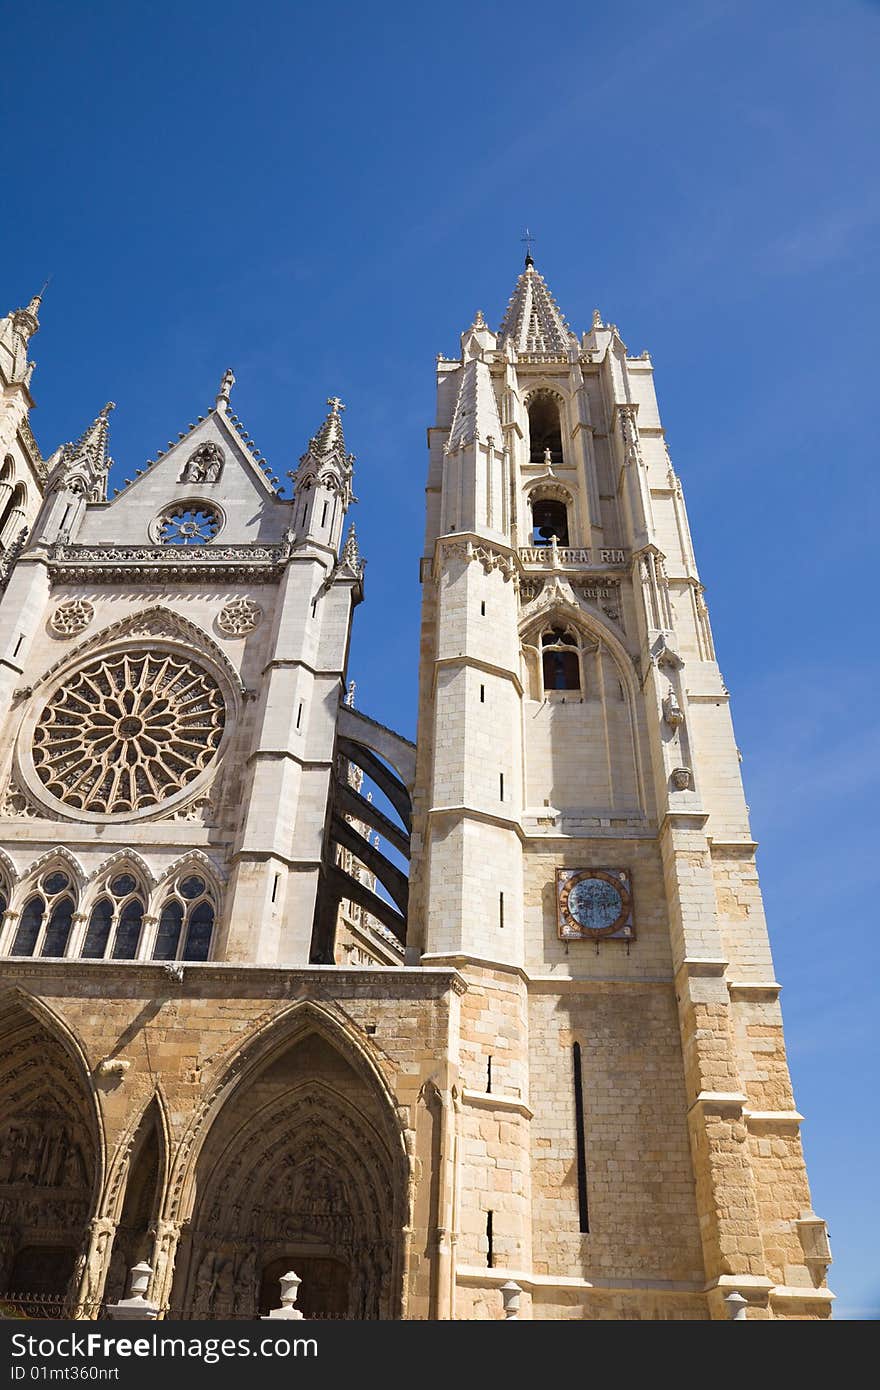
(50,1152)
(303,1168)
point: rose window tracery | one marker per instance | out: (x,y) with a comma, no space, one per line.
(71,617)
(239,616)
(188,524)
(128,731)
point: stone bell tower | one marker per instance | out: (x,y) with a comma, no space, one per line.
(582,854)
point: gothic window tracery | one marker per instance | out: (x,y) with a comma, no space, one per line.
(117,917)
(186,919)
(47,916)
(190,523)
(127,731)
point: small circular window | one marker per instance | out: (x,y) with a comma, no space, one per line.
(191,523)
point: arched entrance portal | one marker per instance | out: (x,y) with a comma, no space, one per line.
(298,1172)
(48,1156)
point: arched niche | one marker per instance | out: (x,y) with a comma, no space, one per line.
(544,409)
(581,748)
(303,1166)
(50,1151)
(133,1240)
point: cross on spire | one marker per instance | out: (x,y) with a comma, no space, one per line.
(335,404)
(528,239)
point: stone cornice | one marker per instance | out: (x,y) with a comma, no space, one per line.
(277,981)
(491,1100)
(464,659)
(111,564)
(478,1275)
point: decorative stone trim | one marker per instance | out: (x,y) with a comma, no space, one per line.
(231,564)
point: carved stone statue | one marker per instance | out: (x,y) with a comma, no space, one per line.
(205,465)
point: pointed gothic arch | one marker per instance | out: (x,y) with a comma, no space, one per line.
(606,682)
(306,1089)
(136,1189)
(51,1147)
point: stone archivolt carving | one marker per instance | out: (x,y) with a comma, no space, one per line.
(205,465)
(127,731)
(71,617)
(239,616)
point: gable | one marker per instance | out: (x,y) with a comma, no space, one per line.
(209,470)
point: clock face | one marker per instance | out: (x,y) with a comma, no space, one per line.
(594,903)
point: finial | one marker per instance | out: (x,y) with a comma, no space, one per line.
(111,405)
(479,321)
(226,384)
(528,239)
(597,319)
(335,404)
(350,551)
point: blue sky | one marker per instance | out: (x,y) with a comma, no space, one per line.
(322,196)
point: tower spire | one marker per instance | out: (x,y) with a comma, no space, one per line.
(533,321)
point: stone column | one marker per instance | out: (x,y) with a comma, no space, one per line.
(166,1237)
(91,1272)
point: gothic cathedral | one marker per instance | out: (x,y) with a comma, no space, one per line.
(543,1068)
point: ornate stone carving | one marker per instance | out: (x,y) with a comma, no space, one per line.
(127,731)
(673,714)
(682,778)
(130,564)
(530,589)
(204,465)
(71,617)
(239,616)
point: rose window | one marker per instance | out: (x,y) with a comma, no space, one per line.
(188,525)
(128,731)
(71,617)
(239,616)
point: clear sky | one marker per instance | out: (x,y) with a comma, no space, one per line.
(321,196)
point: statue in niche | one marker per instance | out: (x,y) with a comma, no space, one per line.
(245,1282)
(205,465)
(206,1287)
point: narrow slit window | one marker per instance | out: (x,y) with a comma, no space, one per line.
(583,1209)
(299,714)
(501,786)
(324,513)
(275,887)
(18,644)
(482,694)
(489,1075)
(501,909)
(490,1244)
(482,608)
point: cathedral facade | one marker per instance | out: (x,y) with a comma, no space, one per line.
(236,1035)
